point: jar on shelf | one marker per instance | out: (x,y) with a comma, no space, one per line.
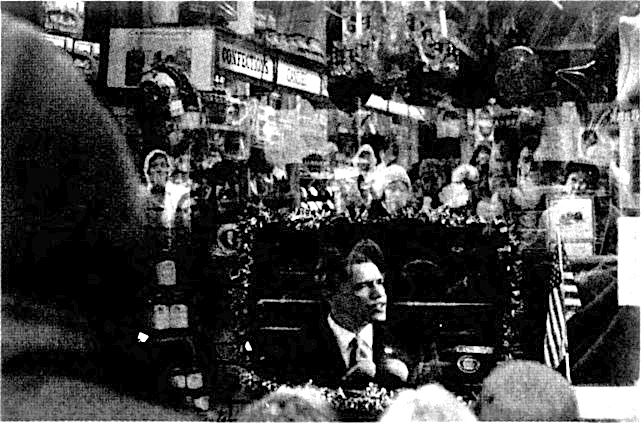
(178,316)
(158,306)
(166,272)
(172,361)
(195,393)
(160,318)
(177,379)
(170,311)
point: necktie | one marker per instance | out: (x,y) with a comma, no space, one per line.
(358,351)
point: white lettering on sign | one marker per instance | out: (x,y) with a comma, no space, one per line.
(299,78)
(245,62)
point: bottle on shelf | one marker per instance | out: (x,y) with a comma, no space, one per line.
(170,312)
(164,257)
(196,393)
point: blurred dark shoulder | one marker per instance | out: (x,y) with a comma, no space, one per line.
(67,177)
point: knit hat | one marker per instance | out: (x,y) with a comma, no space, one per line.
(385,176)
(455,195)
(365,148)
(465,172)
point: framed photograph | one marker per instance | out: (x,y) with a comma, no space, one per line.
(574,218)
(227,240)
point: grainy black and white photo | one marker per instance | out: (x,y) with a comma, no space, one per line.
(352,211)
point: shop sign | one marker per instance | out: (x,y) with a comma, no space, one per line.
(299,78)
(246,62)
(56,40)
(132,52)
(86,48)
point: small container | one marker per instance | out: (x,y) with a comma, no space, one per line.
(166,273)
(202,403)
(176,108)
(161,318)
(179,316)
(195,379)
(177,379)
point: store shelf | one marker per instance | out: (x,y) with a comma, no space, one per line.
(229,128)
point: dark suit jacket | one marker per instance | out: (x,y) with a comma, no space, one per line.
(315,355)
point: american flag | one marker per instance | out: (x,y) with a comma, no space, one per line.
(571,299)
(556,336)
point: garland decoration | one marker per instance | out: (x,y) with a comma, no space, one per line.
(510,334)
(370,403)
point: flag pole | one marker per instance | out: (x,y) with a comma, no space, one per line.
(566,349)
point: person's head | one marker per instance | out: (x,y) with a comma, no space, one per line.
(157,169)
(365,158)
(396,195)
(354,285)
(390,154)
(485,123)
(299,404)
(430,403)
(500,183)
(580,178)
(527,391)
(230,237)
(364,161)
(576,183)
(393,186)
(481,156)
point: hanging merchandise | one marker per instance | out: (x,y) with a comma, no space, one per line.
(560,135)
(484,125)
(519,76)
(166,88)
(166,273)
(628,72)
(215,102)
(168,104)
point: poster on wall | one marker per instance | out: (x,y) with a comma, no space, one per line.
(573,217)
(133,52)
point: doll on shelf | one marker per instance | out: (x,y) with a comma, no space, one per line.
(484,127)
(167,203)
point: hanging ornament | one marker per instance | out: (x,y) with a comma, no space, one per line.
(519,76)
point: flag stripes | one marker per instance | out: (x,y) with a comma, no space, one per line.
(571,299)
(555,334)
(556,339)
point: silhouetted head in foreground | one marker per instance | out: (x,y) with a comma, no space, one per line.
(430,403)
(527,391)
(299,404)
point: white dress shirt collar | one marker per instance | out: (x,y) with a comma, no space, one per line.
(344,337)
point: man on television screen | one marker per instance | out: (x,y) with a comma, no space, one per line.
(346,348)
